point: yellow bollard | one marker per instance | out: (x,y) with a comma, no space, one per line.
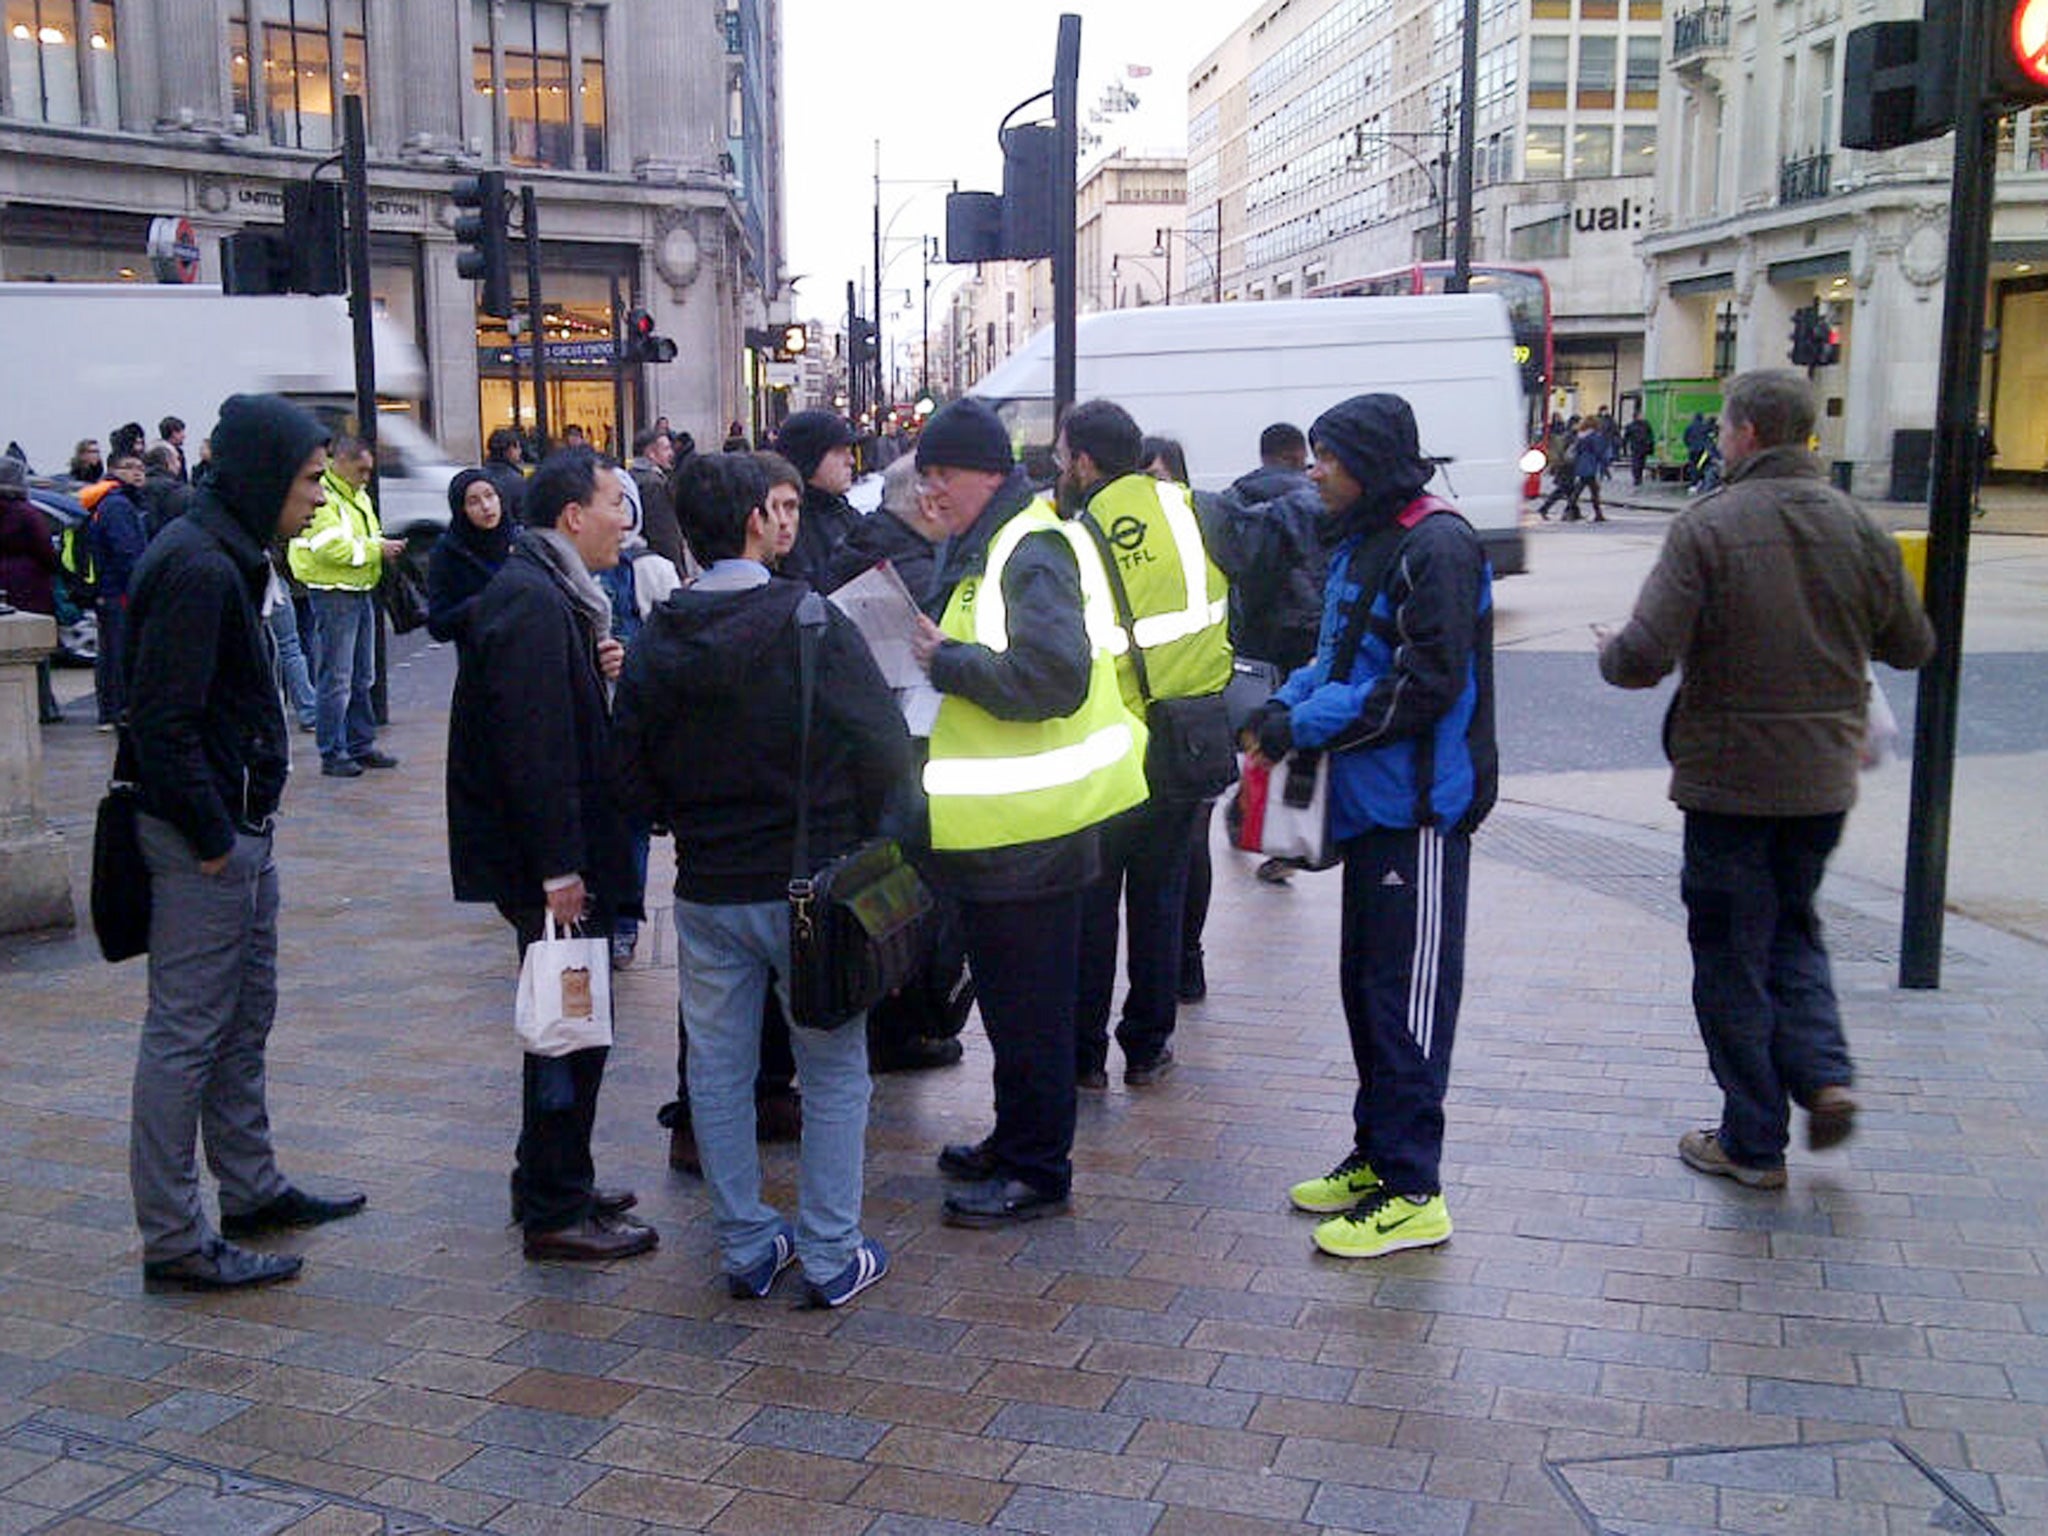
(1913,550)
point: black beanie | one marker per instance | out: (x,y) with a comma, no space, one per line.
(965,435)
(259,446)
(808,436)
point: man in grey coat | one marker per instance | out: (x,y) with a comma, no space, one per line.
(1771,597)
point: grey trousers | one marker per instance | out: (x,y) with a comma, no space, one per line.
(199,1067)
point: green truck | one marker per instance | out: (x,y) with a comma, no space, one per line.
(1668,405)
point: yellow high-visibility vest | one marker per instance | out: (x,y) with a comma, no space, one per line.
(996,783)
(1180,601)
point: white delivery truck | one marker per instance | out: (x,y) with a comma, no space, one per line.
(87,357)
(1214,376)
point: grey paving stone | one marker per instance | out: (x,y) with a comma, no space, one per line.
(821,1434)
(191,1412)
(1183,1404)
(537,1429)
(683,1335)
(1284,1378)
(1054,1512)
(201,1512)
(565,1353)
(1048,1424)
(1816,1400)
(515,1474)
(872,1325)
(1385,1513)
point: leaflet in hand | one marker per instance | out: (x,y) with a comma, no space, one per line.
(886,615)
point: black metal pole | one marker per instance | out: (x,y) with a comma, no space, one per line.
(1066,101)
(619,376)
(1468,90)
(924,350)
(512,352)
(881,393)
(355,180)
(1948,512)
(536,315)
(854,361)
(1443,190)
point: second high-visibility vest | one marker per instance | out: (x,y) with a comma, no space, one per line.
(1179,599)
(996,783)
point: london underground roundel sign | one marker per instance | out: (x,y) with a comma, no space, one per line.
(2029,40)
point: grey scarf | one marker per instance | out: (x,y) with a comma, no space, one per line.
(548,546)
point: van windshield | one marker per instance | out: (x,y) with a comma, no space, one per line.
(1030,424)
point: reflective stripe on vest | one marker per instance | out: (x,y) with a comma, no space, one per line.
(1201,611)
(1180,602)
(996,783)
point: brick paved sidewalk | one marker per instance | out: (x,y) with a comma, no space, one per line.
(1609,1341)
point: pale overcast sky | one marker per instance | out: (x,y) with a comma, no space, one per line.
(932,83)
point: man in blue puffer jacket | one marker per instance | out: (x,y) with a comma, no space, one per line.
(1402,696)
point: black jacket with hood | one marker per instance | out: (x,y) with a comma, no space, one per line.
(706,740)
(1261,533)
(528,737)
(883,536)
(827,518)
(206,727)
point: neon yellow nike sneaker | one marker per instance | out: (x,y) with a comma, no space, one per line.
(1339,1189)
(1385,1223)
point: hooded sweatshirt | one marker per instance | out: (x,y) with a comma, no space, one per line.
(1409,717)
(206,727)
(706,738)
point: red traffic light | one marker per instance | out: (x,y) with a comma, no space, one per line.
(639,325)
(2028,42)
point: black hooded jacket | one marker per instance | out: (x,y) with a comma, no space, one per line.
(206,727)
(826,520)
(1261,533)
(706,740)
(883,536)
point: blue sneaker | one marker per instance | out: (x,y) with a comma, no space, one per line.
(869,1263)
(754,1283)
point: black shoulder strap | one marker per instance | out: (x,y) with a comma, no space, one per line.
(810,625)
(1368,567)
(1124,617)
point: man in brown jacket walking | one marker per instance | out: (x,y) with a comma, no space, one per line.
(1771,597)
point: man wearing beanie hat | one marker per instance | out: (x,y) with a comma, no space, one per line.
(820,445)
(1031,753)
(206,743)
(1400,695)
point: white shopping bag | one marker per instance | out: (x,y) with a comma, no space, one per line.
(565,993)
(1285,810)
(1880,725)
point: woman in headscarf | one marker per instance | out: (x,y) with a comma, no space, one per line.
(478,539)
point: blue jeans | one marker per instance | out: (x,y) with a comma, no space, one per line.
(293,672)
(1761,986)
(727,955)
(346,666)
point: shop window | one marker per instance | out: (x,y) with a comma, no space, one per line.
(1596,71)
(300,81)
(1543,154)
(1638,151)
(1593,151)
(1549,70)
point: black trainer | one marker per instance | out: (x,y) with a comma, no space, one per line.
(219,1266)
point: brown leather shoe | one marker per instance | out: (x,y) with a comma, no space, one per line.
(1830,1118)
(595,1241)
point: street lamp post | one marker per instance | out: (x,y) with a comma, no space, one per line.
(1162,245)
(1438,184)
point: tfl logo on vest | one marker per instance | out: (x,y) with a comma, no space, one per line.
(1128,535)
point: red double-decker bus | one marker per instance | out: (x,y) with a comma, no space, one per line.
(1524,290)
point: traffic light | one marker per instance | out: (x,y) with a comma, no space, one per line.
(313,232)
(795,341)
(255,261)
(483,231)
(642,345)
(1899,79)
(1827,340)
(2019,53)
(1805,335)
(1020,223)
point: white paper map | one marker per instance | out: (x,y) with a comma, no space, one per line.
(886,615)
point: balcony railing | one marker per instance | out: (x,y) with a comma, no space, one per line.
(1701,30)
(1803,180)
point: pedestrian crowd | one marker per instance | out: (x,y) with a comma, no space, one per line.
(643,650)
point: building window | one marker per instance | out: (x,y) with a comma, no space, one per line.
(1549,70)
(1824,95)
(1545,239)
(1638,151)
(1593,151)
(1640,84)
(1543,154)
(543,114)
(299,77)
(1596,71)
(51,78)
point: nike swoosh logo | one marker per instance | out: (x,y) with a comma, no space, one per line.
(1388,1226)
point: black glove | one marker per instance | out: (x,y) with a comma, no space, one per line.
(1276,732)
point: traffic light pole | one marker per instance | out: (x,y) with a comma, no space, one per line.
(536,317)
(1948,515)
(1066,101)
(355,180)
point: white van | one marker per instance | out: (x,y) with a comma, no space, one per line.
(1214,376)
(89,356)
